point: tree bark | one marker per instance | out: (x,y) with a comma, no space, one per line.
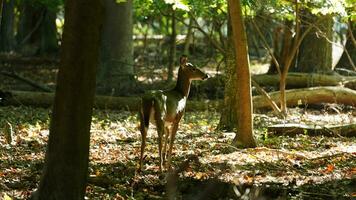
(66,162)
(244,136)
(116,72)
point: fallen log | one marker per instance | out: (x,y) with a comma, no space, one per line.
(19,60)
(348,130)
(295,97)
(44,99)
(302,80)
(350,84)
(315,95)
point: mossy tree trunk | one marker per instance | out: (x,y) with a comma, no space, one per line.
(66,162)
(315,51)
(228,118)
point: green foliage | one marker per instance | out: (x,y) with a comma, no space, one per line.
(178,4)
(213,13)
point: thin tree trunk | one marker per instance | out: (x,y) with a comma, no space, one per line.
(172,49)
(66,163)
(244,136)
(283,41)
(289,59)
(189,37)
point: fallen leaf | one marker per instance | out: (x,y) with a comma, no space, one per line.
(330,168)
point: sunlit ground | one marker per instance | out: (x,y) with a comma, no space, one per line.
(201,154)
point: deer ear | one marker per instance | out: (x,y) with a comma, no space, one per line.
(183,60)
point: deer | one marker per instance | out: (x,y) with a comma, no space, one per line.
(165,109)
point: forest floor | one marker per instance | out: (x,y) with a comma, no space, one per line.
(205,164)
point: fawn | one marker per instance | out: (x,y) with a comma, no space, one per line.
(166,108)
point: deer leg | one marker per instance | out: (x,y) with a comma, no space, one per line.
(143,145)
(172,137)
(160,130)
(159,118)
(166,138)
(144,124)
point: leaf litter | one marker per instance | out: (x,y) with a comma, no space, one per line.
(303,166)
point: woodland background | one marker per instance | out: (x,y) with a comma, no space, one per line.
(301,56)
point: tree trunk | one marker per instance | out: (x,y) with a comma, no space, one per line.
(37,34)
(49,40)
(66,163)
(244,136)
(282,43)
(315,51)
(7,39)
(348,59)
(172,47)
(1,6)
(228,118)
(189,37)
(116,72)
(27,37)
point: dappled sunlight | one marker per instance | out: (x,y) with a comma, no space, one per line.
(115,148)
